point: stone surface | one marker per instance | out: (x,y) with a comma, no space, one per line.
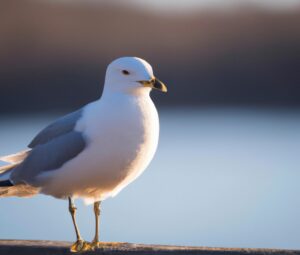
(18,247)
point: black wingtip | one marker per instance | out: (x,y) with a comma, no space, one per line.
(6,183)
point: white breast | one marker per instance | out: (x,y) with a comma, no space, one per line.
(122,135)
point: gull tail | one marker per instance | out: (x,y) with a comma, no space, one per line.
(8,189)
(15,158)
(5,172)
(5,183)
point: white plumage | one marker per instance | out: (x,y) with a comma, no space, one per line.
(95,152)
(120,133)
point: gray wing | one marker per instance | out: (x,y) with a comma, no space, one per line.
(60,127)
(49,156)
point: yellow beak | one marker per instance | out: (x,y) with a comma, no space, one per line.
(155,84)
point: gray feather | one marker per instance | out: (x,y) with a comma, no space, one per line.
(16,157)
(48,156)
(5,169)
(60,127)
(21,190)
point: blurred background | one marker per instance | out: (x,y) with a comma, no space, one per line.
(226,172)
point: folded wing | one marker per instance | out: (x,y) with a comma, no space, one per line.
(48,157)
(49,150)
(60,127)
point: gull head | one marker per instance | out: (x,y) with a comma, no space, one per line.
(131,75)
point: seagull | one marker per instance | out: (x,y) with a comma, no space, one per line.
(94,152)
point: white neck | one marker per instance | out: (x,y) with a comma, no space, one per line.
(130,91)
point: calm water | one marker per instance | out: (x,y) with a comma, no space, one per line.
(219,178)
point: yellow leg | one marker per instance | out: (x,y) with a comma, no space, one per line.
(95,243)
(79,245)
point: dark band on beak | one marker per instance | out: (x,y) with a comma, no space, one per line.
(155,84)
(159,85)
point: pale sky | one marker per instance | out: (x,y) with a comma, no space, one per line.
(166,5)
(187,4)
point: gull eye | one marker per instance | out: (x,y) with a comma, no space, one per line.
(125,72)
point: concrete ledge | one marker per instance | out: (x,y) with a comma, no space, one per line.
(18,247)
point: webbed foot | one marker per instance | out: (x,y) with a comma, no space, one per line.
(95,245)
(80,246)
